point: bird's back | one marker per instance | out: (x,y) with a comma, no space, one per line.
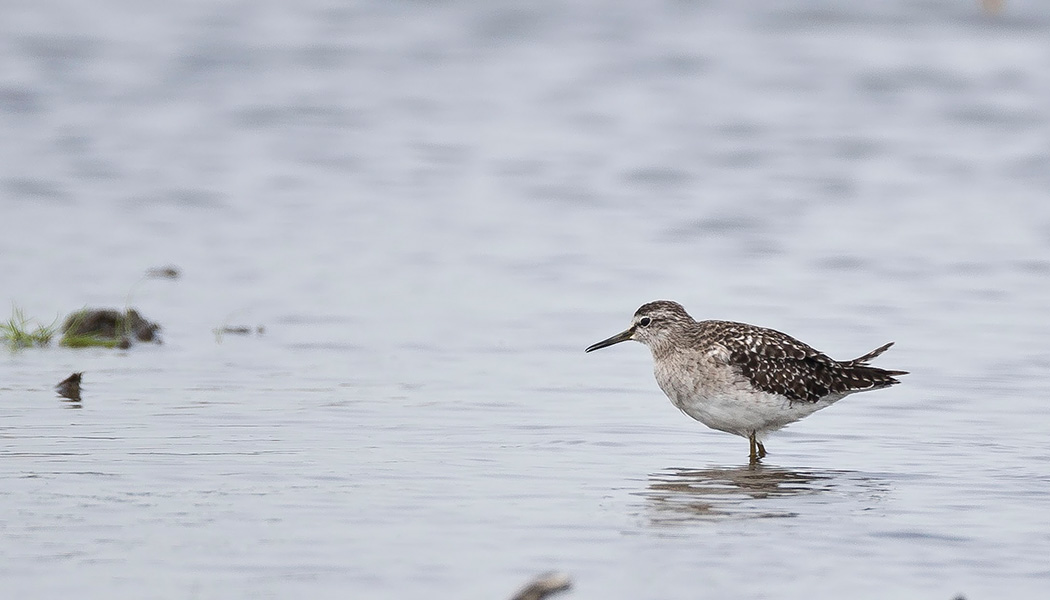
(776,363)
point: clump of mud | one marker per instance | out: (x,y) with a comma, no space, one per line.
(108,328)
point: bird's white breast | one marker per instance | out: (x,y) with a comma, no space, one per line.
(707,388)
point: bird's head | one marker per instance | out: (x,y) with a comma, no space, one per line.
(652,324)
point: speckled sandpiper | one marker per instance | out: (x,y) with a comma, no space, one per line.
(744,379)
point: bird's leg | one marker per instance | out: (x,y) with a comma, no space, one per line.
(761,449)
(754,454)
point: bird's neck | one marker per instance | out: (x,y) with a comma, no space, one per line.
(662,348)
(670,344)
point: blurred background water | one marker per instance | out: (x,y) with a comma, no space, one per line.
(433,207)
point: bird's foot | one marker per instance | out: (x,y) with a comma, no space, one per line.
(757,451)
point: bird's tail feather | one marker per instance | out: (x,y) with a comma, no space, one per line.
(860,360)
(862,363)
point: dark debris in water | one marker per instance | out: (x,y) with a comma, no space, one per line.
(544,585)
(237,330)
(243,330)
(167,272)
(69,387)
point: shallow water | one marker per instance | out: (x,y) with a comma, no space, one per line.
(433,209)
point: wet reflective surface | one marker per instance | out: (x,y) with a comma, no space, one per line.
(433,208)
(681,495)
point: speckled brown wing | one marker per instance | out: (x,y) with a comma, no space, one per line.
(777,363)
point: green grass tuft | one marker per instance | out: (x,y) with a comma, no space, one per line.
(18,332)
(89,341)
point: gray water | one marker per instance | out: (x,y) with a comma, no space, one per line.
(433,208)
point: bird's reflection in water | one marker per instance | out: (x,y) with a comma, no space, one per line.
(678,495)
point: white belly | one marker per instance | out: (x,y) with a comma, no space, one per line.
(726,402)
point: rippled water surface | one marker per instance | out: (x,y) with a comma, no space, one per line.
(432,208)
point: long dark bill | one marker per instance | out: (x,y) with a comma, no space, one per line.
(616,339)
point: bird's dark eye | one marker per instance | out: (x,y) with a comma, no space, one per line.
(644,321)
